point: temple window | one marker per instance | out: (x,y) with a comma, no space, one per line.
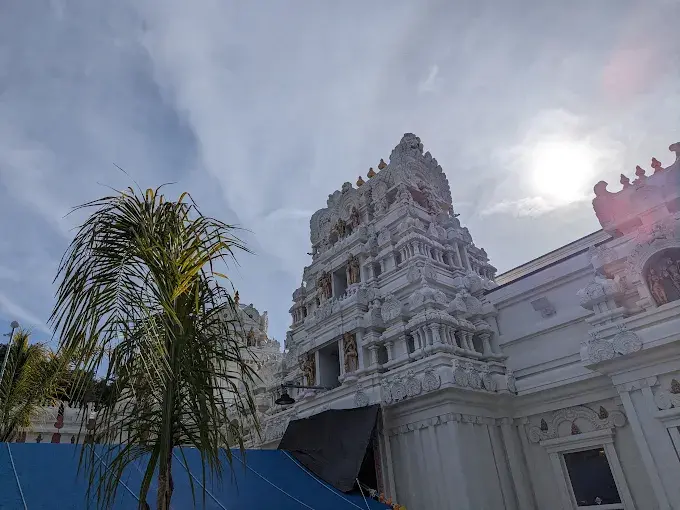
(329,365)
(382,355)
(339,282)
(662,276)
(591,479)
(410,344)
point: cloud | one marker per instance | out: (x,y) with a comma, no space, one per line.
(428,85)
(25,317)
(529,206)
(262,111)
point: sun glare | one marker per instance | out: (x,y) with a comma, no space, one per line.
(562,170)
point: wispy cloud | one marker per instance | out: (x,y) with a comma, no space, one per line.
(529,206)
(25,317)
(429,83)
(261,111)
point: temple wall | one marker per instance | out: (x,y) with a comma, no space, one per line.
(460,460)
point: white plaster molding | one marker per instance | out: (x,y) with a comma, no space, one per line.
(597,349)
(550,430)
(361,399)
(670,398)
(640,384)
(442,420)
(411,384)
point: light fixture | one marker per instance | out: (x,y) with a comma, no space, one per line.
(284,400)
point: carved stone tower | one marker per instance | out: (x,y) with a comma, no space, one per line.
(392,306)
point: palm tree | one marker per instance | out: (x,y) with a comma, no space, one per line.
(139,292)
(33,377)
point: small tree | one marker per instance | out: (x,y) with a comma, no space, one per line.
(138,290)
(32,379)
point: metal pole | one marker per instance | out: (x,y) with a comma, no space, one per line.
(299,386)
(14,326)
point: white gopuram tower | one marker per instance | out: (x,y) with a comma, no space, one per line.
(392,312)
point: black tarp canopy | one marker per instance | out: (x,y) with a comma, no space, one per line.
(332,444)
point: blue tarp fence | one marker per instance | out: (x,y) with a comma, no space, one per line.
(45,476)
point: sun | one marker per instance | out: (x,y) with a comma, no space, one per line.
(562,170)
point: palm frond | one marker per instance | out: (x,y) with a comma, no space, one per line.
(139,292)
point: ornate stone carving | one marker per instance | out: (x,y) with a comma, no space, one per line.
(360,397)
(404,195)
(487,380)
(597,349)
(668,399)
(354,218)
(460,376)
(474,379)
(431,380)
(625,341)
(601,255)
(398,390)
(421,270)
(391,308)
(341,228)
(353,269)
(324,286)
(412,384)
(386,392)
(510,381)
(598,290)
(384,237)
(663,277)
(351,355)
(571,414)
(308,366)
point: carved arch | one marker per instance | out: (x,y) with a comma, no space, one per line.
(597,421)
(661,275)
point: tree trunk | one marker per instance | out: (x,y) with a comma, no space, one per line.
(165,483)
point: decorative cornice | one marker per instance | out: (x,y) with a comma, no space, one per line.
(402,387)
(667,399)
(602,419)
(443,419)
(597,349)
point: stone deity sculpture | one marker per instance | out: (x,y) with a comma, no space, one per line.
(354,218)
(353,269)
(340,228)
(250,338)
(309,369)
(655,283)
(324,286)
(672,272)
(351,354)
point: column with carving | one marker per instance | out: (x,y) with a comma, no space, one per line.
(656,451)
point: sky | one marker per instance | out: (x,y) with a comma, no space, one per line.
(262,109)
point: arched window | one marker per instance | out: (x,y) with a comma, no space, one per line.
(662,276)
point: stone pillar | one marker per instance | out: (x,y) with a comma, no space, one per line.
(464,257)
(316,369)
(341,355)
(486,344)
(360,350)
(653,441)
(518,465)
(389,346)
(373,349)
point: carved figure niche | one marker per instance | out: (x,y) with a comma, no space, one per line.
(662,276)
